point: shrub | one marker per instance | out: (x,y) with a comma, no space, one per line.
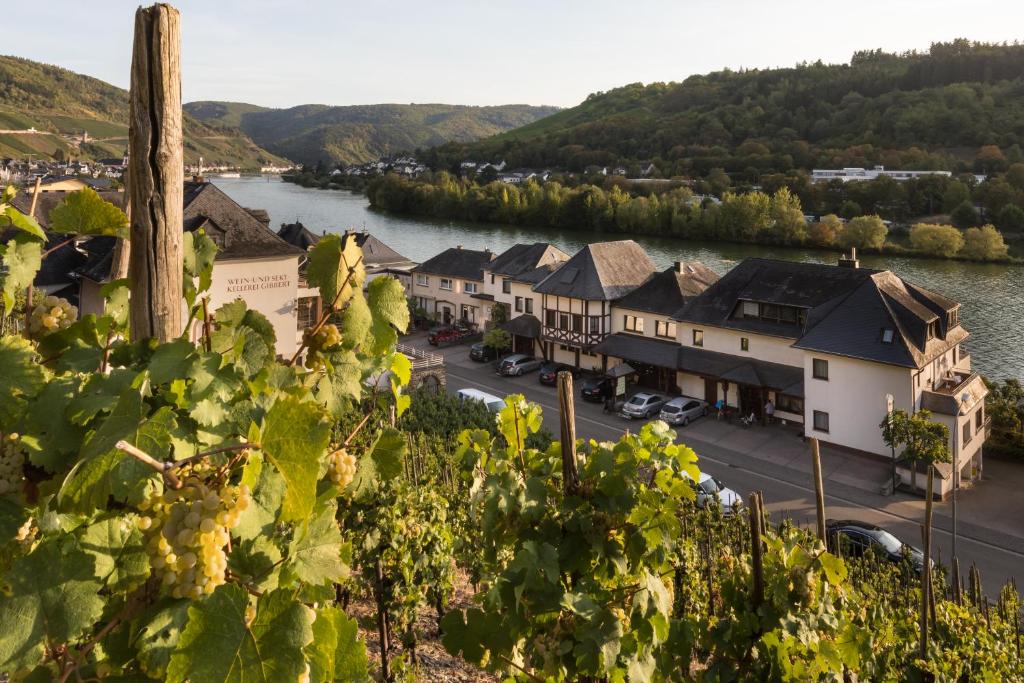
(1011,218)
(964,215)
(863,232)
(983,244)
(937,240)
(824,232)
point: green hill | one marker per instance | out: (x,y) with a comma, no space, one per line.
(60,103)
(314,133)
(927,110)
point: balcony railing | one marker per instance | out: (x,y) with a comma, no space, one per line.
(953,383)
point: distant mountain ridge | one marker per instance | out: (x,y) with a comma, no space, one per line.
(315,133)
(60,104)
(927,110)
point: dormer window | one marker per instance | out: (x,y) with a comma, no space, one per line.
(933,329)
(953,319)
(888,334)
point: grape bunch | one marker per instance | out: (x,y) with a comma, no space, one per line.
(326,338)
(341,468)
(187,532)
(12,463)
(51,314)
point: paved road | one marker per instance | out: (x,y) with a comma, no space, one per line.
(784,496)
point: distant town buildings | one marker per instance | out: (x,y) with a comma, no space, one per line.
(847,175)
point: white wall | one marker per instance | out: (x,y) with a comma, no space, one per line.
(457,296)
(762,347)
(855,399)
(269,286)
(650,322)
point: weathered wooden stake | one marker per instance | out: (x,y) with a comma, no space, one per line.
(756,548)
(382,623)
(819,490)
(956,581)
(926,571)
(156,180)
(567,416)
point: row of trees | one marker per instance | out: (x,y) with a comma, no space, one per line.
(755,216)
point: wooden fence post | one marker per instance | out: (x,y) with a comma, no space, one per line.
(926,571)
(819,491)
(756,548)
(567,415)
(156,179)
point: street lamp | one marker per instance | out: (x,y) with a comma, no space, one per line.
(889,404)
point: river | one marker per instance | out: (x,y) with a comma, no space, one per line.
(992,294)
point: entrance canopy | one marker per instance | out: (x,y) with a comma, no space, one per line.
(525,325)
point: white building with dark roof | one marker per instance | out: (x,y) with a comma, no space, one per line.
(448,286)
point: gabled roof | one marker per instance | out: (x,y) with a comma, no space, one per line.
(376,254)
(457,262)
(847,310)
(602,271)
(243,235)
(524,258)
(298,235)
(666,292)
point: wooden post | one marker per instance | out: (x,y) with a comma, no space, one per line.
(819,490)
(156,180)
(926,570)
(383,630)
(567,415)
(956,580)
(756,549)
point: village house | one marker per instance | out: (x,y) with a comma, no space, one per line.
(644,334)
(509,281)
(446,286)
(577,298)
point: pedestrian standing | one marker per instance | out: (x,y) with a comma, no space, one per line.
(769,411)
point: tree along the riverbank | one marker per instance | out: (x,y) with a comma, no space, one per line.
(750,217)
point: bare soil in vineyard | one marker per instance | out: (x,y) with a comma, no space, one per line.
(435,664)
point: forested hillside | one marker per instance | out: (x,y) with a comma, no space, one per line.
(926,110)
(315,133)
(60,103)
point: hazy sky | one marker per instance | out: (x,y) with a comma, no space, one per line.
(482,51)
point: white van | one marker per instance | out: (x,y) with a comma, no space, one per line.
(493,403)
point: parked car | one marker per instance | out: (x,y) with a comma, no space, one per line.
(449,334)
(682,410)
(482,353)
(597,388)
(493,403)
(643,405)
(550,369)
(852,539)
(710,488)
(518,364)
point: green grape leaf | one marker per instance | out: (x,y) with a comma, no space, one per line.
(268,489)
(104,471)
(12,515)
(26,224)
(295,437)
(356,321)
(54,598)
(401,366)
(382,463)
(316,554)
(100,394)
(390,312)
(467,632)
(20,378)
(336,653)
(115,294)
(22,257)
(117,546)
(198,254)
(217,645)
(254,561)
(172,361)
(86,213)
(156,634)
(329,264)
(834,567)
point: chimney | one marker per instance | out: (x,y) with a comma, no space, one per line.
(458,246)
(849,261)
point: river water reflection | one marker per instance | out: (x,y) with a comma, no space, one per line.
(992,295)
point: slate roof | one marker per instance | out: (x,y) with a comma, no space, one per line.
(846,310)
(787,379)
(524,325)
(241,235)
(298,235)
(466,264)
(525,258)
(603,271)
(666,292)
(376,254)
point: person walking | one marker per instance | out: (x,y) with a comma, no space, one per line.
(769,412)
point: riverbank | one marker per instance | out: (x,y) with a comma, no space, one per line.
(751,218)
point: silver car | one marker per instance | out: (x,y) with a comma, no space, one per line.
(643,405)
(518,364)
(683,410)
(710,488)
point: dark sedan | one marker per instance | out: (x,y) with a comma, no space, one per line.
(549,372)
(482,353)
(851,538)
(597,389)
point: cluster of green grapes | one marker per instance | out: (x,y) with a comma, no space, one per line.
(12,463)
(341,468)
(52,313)
(187,532)
(324,339)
